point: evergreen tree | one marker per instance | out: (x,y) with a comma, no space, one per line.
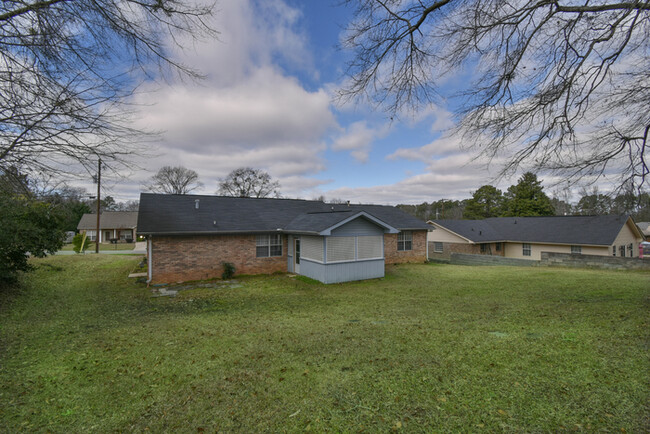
(486,202)
(527,198)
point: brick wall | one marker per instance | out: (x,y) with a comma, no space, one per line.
(183,258)
(417,254)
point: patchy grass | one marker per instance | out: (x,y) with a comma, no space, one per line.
(428,348)
(90,247)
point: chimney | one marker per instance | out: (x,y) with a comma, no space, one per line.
(196,204)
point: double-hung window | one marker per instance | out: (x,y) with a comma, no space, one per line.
(268,245)
(525,249)
(405,241)
(437,247)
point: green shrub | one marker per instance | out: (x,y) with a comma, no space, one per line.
(77,242)
(228,270)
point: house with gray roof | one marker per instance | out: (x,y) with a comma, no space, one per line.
(189,237)
(113,226)
(527,237)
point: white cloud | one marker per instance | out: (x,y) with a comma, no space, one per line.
(358,138)
(247,112)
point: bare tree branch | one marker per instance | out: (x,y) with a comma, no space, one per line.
(555,87)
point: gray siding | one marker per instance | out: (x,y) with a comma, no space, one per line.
(359,226)
(342,272)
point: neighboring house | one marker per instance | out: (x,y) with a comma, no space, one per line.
(113,225)
(189,237)
(645,228)
(527,237)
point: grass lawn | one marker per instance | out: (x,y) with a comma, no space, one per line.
(428,348)
(90,247)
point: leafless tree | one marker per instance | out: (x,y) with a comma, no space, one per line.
(68,70)
(248,182)
(174,180)
(555,86)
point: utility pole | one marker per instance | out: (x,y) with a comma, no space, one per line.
(99,182)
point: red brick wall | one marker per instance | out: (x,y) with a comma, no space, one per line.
(417,254)
(183,258)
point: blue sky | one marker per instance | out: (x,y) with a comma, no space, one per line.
(268,102)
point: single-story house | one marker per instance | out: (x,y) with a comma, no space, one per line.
(645,228)
(189,237)
(113,225)
(527,237)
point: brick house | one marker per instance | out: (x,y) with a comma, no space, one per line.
(189,237)
(527,237)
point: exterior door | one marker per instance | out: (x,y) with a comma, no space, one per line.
(296,256)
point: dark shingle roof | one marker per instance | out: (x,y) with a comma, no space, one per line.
(109,220)
(177,214)
(578,230)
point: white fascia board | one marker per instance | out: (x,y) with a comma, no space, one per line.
(375,220)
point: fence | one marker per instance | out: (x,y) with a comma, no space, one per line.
(550,259)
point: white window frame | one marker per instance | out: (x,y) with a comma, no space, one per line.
(405,241)
(268,245)
(438,246)
(576,250)
(526,249)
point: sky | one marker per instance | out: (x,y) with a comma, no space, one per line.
(268,102)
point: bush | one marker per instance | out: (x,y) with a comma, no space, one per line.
(228,270)
(76,242)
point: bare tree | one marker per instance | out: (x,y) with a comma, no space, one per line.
(69,68)
(248,182)
(174,180)
(555,86)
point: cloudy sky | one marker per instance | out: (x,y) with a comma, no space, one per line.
(268,102)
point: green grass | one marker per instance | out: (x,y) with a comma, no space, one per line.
(428,348)
(90,247)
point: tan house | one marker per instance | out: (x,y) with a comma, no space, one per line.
(528,237)
(115,226)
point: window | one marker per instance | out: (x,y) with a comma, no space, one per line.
(630,250)
(613,250)
(437,247)
(497,247)
(525,249)
(621,250)
(370,247)
(90,235)
(576,250)
(340,249)
(405,241)
(484,248)
(268,245)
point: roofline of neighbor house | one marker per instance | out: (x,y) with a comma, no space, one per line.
(430,222)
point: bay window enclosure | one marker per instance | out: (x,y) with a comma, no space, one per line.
(405,241)
(268,245)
